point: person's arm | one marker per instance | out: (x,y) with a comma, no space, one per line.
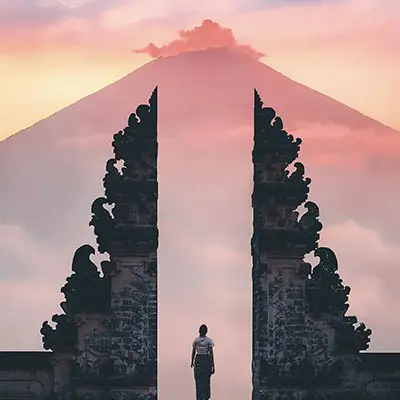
(212,358)
(193,354)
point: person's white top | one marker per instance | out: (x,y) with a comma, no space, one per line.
(203,345)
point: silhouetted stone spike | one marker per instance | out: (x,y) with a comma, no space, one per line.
(61,339)
(111,180)
(350,339)
(142,127)
(328,296)
(270,140)
(268,115)
(85,290)
(81,263)
(257,104)
(309,221)
(103,224)
(153,101)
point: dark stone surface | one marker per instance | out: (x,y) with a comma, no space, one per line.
(25,360)
(380,363)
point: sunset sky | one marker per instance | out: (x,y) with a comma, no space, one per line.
(55,52)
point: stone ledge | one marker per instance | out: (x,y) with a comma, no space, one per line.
(380,362)
(25,360)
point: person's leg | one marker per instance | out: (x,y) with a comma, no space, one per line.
(201,385)
(199,378)
(198,390)
(209,374)
(208,387)
(204,393)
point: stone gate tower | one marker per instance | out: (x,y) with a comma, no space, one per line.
(304,347)
(105,343)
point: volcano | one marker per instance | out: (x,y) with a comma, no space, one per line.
(52,171)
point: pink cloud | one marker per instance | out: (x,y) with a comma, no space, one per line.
(358,25)
(338,146)
(208,35)
(23,307)
(13,238)
(370,266)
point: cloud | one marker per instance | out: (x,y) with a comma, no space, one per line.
(24,306)
(83,142)
(206,36)
(30,280)
(356,24)
(370,266)
(16,243)
(18,13)
(349,149)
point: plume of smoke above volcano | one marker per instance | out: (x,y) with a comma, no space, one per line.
(207,35)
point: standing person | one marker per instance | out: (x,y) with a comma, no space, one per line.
(203,363)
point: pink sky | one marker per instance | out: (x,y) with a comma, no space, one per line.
(346,49)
